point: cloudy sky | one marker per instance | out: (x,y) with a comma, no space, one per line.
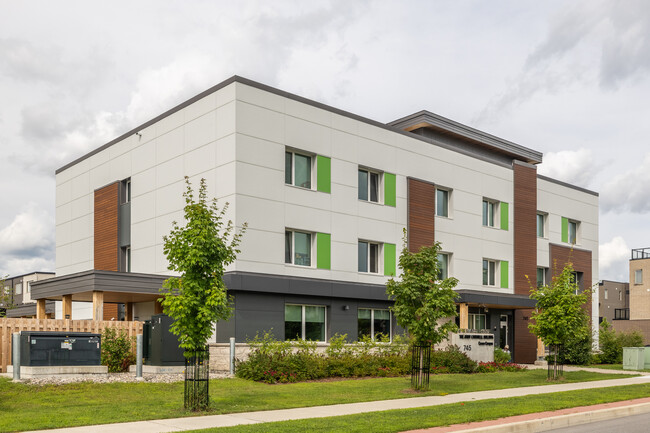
(568,78)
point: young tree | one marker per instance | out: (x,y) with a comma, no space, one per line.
(422,303)
(6,298)
(559,316)
(199,252)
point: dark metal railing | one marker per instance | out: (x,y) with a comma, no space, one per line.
(641,253)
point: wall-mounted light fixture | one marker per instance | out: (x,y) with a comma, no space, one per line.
(346,307)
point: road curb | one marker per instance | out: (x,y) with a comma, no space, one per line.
(561,421)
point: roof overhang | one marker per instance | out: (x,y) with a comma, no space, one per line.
(117,286)
(429,120)
(495,300)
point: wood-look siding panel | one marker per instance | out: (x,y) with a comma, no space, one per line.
(580,259)
(525,227)
(110,311)
(421,214)
(106,253)
(525,348)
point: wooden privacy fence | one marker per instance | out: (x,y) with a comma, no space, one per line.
(9,326)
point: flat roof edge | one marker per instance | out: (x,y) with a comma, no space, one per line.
(568,185)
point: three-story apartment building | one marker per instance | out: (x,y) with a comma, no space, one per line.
(326,195)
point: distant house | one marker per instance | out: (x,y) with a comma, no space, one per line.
(613,300)
(19,288)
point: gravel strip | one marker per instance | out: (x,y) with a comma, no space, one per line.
(112,378)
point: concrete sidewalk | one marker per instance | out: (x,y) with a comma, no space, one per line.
(201,422)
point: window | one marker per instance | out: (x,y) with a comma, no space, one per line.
(442,202)
(373,323)
(620,295)
(541,219)
(605,293)
(638,276)
(304,322)
(443,264)
(19,288)
(369,185)
(489,209)
(541,277)
(297,170)
(127,256)
(573,232)
(476,321)
(368,257)
(489,272)
(297,248)
(29,287)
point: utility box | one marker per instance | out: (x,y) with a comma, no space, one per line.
(633,358)
(48,349)
(161,347)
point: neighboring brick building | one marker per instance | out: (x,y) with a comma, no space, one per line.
(613,300)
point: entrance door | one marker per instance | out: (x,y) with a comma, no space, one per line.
(504,335)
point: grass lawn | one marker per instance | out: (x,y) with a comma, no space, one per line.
(89,403)
(470,411)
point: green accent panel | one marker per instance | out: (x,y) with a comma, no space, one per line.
(389,259)
(323,250)
(504,215)
(504,274)
(324,174)
(390,190)
(565,229)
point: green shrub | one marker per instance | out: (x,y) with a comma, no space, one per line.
(452,358)
(117,350)
(577,350)
(612,343)
(501,356)
(273,361)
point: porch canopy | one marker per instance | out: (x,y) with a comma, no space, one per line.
(98,287)
(477,298)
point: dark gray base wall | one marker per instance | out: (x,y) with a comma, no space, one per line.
(256,313)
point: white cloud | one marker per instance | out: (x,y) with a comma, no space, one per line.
(31,233)
(613,260)
(573,166)
(629,191)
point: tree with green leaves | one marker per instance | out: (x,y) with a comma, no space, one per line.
(424,303)
(199,251)
(559,316)
(6,298)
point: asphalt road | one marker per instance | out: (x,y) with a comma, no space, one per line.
(628,424)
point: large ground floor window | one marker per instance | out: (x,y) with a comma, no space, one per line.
(373,322)
(304,322)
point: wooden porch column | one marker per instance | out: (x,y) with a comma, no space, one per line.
(66,307)
(157,307)
(40,309)
(464,316)
(541,349)
(129,311)
(98,305)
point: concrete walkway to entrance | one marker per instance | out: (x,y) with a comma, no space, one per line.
(209,421)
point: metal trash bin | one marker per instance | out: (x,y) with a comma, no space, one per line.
(161,347)
(47,349)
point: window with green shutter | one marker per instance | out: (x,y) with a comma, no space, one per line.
(503,265)
(504,215)
(390,190)
(323,250)
(565,229)
(323,174)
